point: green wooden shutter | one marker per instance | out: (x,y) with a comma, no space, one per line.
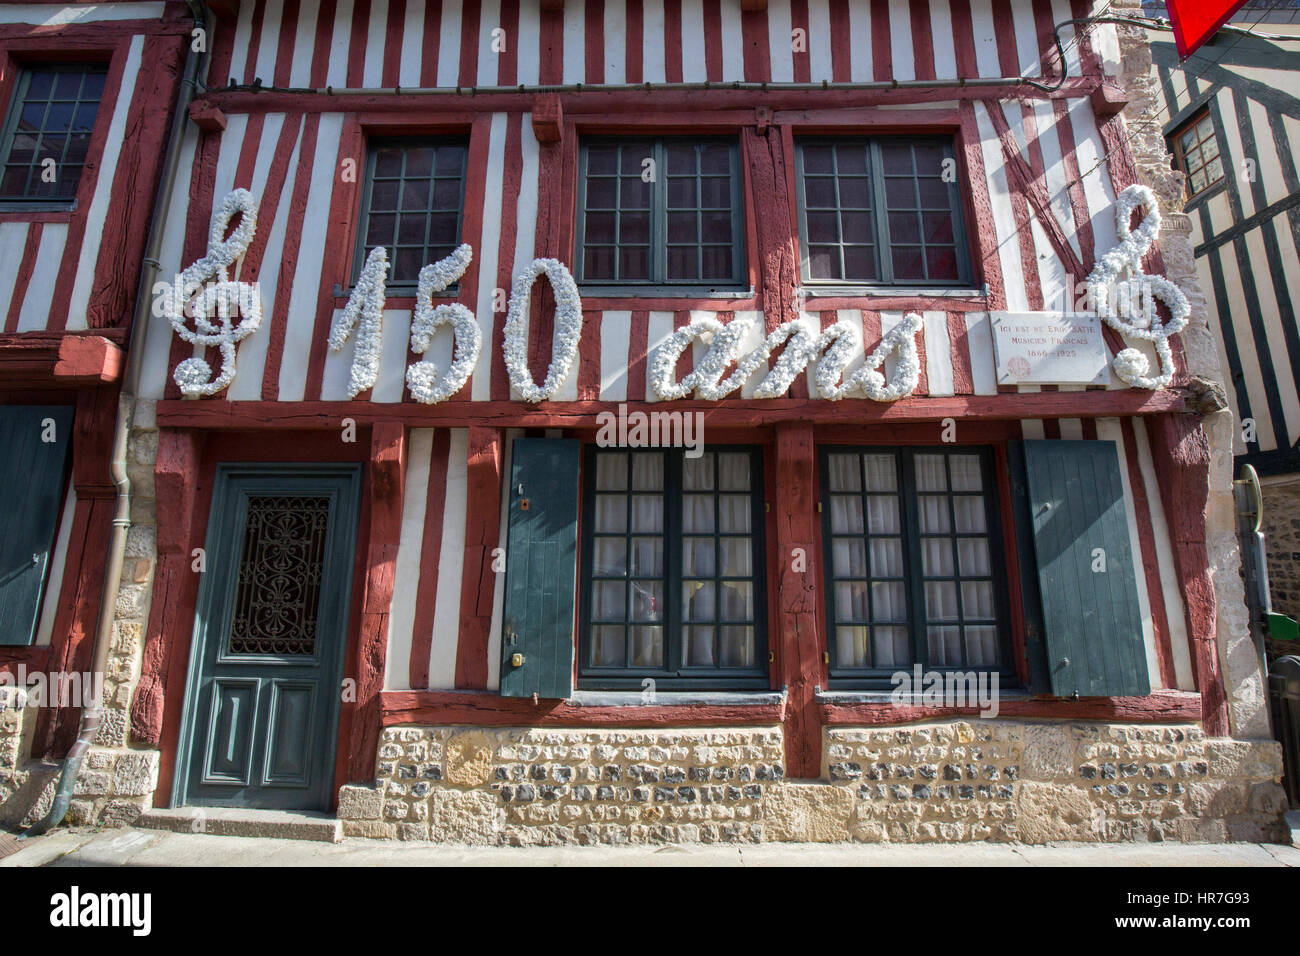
(32,481)
(1092,622)
(541,567)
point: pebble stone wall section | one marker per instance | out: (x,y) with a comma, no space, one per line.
(952,781)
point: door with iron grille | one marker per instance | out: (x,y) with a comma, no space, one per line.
(266,665)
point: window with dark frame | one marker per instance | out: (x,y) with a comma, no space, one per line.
(672,568)
(913,571)
(51,117)
(412,204)
(1196,153)
(660,211)
(880,210)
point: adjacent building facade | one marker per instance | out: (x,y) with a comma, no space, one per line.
(616,421)
(1231,118)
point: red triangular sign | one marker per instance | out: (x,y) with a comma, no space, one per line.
(1195,21)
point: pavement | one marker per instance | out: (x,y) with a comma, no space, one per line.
(136,847)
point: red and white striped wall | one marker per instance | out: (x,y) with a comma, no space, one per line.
(52,258)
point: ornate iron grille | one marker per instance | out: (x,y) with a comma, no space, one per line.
(279,579)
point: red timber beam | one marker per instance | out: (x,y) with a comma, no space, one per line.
(1100,403)
(1180,453)
(1160,706)
(482,533)
(486,709)
(385,490)
(661,99)
(77,616)
(175,591)
(797,639)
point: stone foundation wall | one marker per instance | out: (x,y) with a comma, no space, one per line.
(117,781)
(935,782)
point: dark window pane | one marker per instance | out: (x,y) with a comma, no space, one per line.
(383,197)
(402,189)
(379,231)
(634,227)
(602,193)
(824,262)
(683,262)
(634,262)
(54,117)
(938,227)
(900,193)
(407,264)
(446,194)
(717,262)
(941,263)
(823,227)
(415,194)
(634,193)
(388,163)
(681,193)
(819,192)
(716,227)
(601,159)
(907,262)
(600,227)
(681,159)
(897,160)
(929,160)
(410,231)
(903,227)
(934,193)
(818,159)
(598,263)
(715,159)
(682,227)
(857,226)
(851,160)
(860,263)
(450,161)
(633,158)
(855,193)
(715,193)
(419,163)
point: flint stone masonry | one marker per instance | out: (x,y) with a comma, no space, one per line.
(949,781)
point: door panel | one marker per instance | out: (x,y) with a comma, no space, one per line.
(266,664)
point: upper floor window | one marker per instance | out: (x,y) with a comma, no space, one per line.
(672,580)
(880,211)
(1196,153)
(663,211)
(412,204)
(913,571)
(47,132)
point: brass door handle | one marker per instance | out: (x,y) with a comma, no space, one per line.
(516,660)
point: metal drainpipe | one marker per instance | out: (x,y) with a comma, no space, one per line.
(92,714)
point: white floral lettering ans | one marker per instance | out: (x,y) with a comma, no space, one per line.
(1125,297)
(221,300)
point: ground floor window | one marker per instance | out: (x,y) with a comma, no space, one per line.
(912,561)
(672,583)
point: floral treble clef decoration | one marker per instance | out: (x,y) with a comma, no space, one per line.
(224,311)
(1125,296)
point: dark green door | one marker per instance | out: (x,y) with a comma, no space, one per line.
(266,666)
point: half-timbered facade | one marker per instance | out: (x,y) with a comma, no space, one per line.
(674,540)
(1231,118)
(88,95)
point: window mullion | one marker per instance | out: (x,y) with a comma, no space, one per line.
(659,214)
(884,255)
(956,557)
(672,562)
(618,213)
(912,539)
